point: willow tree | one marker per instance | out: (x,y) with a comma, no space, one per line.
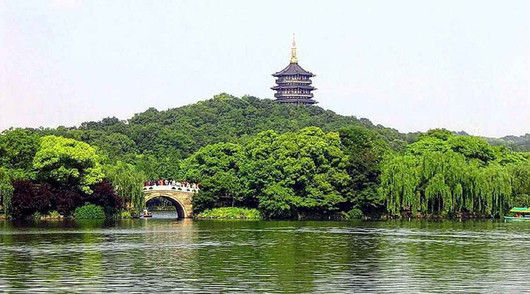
(494,189)
(6,189)
(447,174)
(128,183)
(520,184)
(400,179)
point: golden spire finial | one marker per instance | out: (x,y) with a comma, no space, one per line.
(293,52)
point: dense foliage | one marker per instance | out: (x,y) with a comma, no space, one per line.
(288,175)
(287,161)
(157,140)
(296,174)
(127,181)
(517,143)
(447,174)
(17,150)
(30,198)
(6,189)
(67,162)
(40,175)
(217,168)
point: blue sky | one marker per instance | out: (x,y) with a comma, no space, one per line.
(411,65)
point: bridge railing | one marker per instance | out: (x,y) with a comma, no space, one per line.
(171,188)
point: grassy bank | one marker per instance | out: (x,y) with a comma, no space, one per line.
(230,213)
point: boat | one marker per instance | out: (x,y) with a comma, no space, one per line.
(519,214)
(146,213)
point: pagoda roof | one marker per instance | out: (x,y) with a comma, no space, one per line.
(293,69)
(297,100)
(305,87)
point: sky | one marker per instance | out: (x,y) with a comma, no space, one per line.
(409,65)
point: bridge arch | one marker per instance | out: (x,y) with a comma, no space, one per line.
(180,199)
(180,209)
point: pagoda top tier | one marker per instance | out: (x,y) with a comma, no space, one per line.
(293,69)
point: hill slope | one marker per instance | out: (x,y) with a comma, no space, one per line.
(179,132)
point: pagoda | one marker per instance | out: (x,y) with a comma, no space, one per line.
(293,83)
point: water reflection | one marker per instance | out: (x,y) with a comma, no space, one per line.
(275,256)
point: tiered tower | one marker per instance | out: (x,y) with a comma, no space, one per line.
(293,83)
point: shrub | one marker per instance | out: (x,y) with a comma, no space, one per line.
(51,215)
(355,213)
(89,211)
(105,196)
(54,214)
(125,214)
(230,213)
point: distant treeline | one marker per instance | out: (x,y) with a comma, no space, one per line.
(517,143)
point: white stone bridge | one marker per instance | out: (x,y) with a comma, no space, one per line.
(180,196)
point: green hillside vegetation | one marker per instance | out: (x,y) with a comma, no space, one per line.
(157,140)
(287,161)
(517,143)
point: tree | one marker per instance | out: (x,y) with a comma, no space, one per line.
(447,175)
(216,167)
(115,144)
(17,149)
(521,184)
(441,134)
(472,148)
(365,150)
(65,199)
(67,162)
(127,182)
(295,174)
(23,200)
(105,196)
(6,190)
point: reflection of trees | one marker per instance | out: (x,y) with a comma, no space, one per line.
(164,254)
(426,255)
(364,255)
(36,254)
(279,256)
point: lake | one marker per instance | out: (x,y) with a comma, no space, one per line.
(265,256)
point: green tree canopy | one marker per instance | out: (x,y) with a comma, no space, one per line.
(128,183)
(521,184)
(449,174)
(67,162)
(294,173)
(364,149)
(217,168)
(17,149)
(6,189)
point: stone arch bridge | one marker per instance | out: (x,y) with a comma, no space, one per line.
(179,196)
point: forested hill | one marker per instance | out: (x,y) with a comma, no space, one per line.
(285,160)
(179,132)
(517,143)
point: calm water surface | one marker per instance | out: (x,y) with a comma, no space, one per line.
(265,256)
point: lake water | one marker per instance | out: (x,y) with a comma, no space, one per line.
(265,256)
